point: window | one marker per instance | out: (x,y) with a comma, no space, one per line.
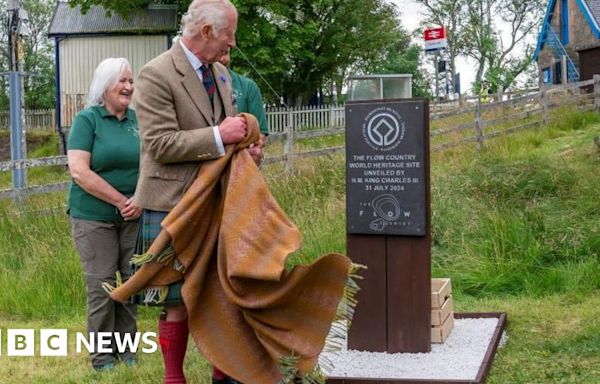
(546,75)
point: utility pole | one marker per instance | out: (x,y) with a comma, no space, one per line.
(17,29)
(436,60)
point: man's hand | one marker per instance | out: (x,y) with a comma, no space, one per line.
(232,130)
(255,150)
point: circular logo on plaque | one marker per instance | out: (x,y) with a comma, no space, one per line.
(383,129)
(387,210)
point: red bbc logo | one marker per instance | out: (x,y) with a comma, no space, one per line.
(435,33)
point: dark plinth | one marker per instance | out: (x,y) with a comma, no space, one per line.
(388,223)
(484,368)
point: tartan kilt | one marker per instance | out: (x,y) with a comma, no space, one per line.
(149,229)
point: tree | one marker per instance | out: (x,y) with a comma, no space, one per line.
(486,44)
(39,61)
(400,57)
(494,33)
(447,14)
(300,46)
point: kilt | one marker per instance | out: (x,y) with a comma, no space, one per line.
(149,228)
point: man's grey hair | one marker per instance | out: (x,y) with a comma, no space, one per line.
(201,12)
(106,76)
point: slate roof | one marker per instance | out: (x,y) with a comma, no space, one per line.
(594,6)
(153,20)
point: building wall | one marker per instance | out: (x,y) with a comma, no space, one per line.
(79,57)
(580,36)
(580,30)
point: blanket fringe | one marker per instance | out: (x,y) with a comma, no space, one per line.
(335,339)
(289,371)
(118,282)
(164,257)
(155,295)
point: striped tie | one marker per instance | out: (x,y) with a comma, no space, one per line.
(208,81)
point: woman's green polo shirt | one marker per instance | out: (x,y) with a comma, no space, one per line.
(115,156)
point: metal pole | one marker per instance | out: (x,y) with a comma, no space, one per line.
(449,91)
(437,80)
(18,148)
(16,128)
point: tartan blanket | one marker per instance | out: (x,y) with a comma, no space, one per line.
(255,320)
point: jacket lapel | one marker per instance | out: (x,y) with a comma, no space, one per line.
(219,94)
(192,84)
(223,80)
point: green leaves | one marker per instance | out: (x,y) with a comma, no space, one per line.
(302,48)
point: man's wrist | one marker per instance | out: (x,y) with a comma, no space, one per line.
(218,140)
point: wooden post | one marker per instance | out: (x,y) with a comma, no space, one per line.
(544,105)
(479,125)
(597,92)
(563,69)
(288,148)
(331,117)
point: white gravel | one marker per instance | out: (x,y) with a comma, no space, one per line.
(459,358)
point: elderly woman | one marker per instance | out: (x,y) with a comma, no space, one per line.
(103,155)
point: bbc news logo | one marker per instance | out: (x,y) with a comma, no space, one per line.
(55,342)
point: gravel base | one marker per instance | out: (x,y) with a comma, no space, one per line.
(459,358)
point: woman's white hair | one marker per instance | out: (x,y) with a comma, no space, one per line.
(201,12)
(106,76)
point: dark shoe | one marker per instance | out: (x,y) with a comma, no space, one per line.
(130,362)
(104,367)
(226,380)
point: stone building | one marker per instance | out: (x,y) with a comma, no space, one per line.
(568,46)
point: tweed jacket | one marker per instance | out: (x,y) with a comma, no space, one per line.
(175,118)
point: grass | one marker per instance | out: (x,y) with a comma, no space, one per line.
(516,228)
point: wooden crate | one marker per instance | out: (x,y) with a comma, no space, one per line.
(440,333)
(441,288)
(442,309)
(439,315)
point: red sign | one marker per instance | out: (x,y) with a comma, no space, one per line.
(435,34)
(435,39)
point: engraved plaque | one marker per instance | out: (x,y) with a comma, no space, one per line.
(385,170)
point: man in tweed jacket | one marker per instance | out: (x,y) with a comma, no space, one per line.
(185,113)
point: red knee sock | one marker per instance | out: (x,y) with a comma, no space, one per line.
(173,336)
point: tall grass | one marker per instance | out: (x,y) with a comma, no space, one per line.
(40,273)
(522,217)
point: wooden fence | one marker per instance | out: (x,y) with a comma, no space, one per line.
(473,122)
(35,119)
(278,118)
